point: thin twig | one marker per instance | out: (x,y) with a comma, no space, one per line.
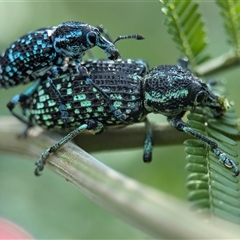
(218,64)
(111,139)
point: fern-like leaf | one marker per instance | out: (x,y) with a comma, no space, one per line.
(213,188)
(230,11)
(186,28)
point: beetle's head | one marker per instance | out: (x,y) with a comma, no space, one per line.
(171,90)
(73,39)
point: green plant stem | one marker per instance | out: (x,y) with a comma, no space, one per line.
(111,139)
(218,64)
(153,212)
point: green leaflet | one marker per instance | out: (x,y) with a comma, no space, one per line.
(221,137)
(185,26)
(212,187)
(223,128)
(230,12)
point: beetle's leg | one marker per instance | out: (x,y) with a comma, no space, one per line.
(91,125)
(177,123)
(148,142)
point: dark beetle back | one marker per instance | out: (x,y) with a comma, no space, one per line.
(29,53)
(122,83)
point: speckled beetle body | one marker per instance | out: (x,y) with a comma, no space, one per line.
(167,89)
(48,52)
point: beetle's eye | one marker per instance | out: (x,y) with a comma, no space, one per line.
(200,97)
(92,37)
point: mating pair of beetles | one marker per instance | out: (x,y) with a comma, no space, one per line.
(72,95)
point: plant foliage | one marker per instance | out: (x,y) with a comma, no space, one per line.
(230,12)
(185,26)
(213,188)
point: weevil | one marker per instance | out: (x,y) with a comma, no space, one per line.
(170,90)
(46,53)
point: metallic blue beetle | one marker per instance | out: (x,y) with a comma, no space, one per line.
(169,90)
(48,52)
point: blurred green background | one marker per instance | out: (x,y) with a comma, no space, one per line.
(49,207)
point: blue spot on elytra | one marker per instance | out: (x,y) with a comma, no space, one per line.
(16,55)
(8,69)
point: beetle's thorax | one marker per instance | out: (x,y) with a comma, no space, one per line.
(172,90)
